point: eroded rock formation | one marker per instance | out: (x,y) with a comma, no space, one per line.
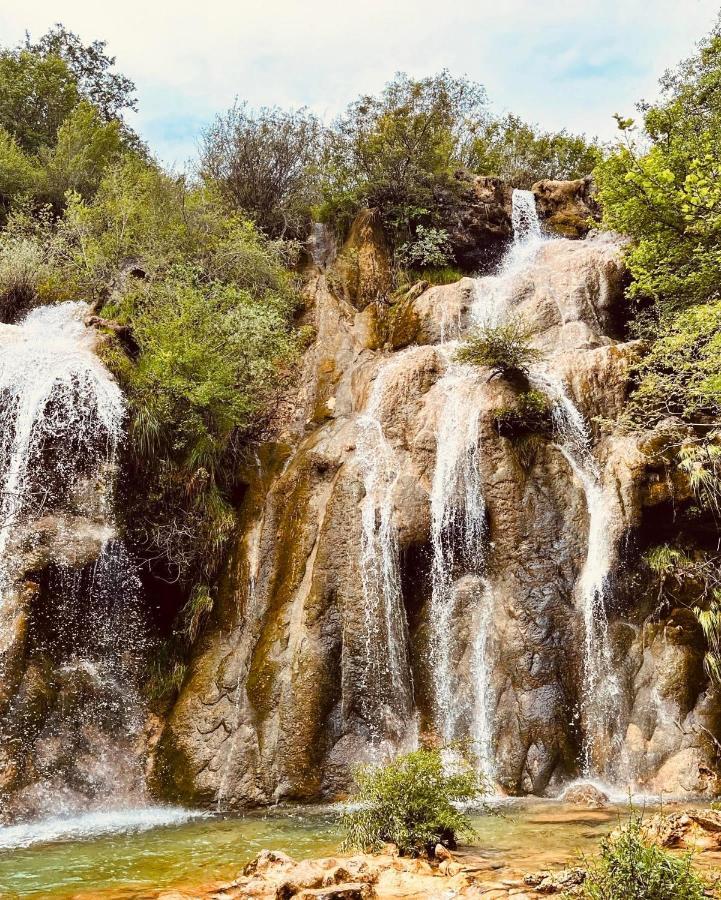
(333,625)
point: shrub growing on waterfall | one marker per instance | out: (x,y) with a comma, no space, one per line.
(632,868)
(412,802)
(504,349)
(530,413)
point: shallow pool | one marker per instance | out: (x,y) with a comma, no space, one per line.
(126,853)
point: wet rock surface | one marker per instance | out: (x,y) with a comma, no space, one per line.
(308,670)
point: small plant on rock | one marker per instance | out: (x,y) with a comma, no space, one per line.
(531,413)
(630,867)
(504,349)
(412,802)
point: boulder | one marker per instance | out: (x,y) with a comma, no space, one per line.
(585,795)
(567,208)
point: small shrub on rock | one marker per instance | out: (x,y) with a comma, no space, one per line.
(504,349)
(531,413)
(630,867)
(412,802)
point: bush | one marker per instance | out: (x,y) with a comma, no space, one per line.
(429,247)
(504,349)
(530,413)
(412,802)
(391,151)
(631,868)
(266,164)
(211,344)
(521,154)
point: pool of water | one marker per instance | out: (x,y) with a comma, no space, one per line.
(126,854)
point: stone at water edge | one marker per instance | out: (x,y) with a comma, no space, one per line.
(692,829)
(442,853)
(547,882)
(586,795)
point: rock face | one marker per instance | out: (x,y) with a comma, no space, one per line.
(567,208)
(404,571)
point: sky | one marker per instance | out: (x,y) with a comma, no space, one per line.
(557,63)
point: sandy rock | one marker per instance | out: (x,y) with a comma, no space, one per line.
(585,795)
(693,829)
(567,208)
(547,882)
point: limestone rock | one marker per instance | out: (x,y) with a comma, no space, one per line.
(585,795)
(567,208)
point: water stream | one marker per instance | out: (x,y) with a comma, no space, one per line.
(387,690)
(61,424)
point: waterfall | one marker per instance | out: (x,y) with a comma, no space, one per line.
(601,691)
(458,527)
(61,417)
(458,510)
(61,423)
(386,692)
(493,293)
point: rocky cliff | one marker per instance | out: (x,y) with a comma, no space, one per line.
(407,569)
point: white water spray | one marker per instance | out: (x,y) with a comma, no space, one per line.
(61,422)
(601,695)
(387,692)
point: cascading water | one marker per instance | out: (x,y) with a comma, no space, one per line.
(61,422)
(387,691)
(601,696)
(458,511)
(458,527)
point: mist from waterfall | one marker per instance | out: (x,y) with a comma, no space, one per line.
(61,424)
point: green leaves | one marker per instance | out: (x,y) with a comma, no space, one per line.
(504,349)
(632,868)
(412,801)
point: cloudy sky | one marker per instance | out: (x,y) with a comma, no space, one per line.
(559,63)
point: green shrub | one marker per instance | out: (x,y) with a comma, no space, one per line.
(429,247)
(412,801)
(530,413)
(504,349)
(631,868)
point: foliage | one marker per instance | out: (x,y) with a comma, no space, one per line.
(504,349)
(108,91)
(17,173)
(37,94)
(530,413)
(632,868)
(412,802)
(266,164)
(390,152)
(710,621)
(86,145)
(522,154)
(165,673)
(429,248)
(211,324)
(681,375)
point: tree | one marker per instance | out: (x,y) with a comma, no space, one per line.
(110,92)
(85,146)
(17,173)
(522,154)
(391,151)
(37,94)
(266,164)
